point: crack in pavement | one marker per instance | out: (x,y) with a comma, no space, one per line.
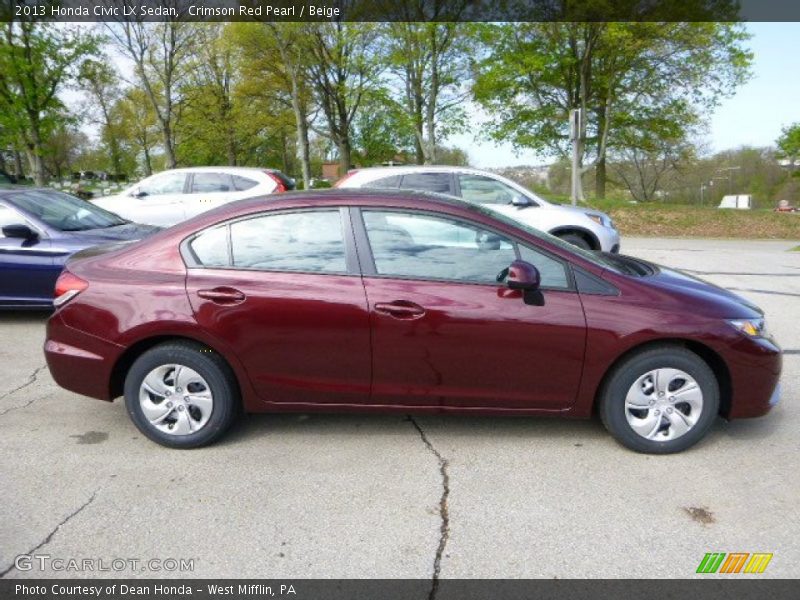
(444,530)
(50,535)
(31,379)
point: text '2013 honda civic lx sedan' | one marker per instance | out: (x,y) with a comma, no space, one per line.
(404,302)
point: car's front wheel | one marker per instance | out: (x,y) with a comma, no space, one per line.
(181,395)
(576,240)
(660,401)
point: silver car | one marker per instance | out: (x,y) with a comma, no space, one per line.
(586,228)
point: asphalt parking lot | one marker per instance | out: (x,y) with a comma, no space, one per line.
(291,496)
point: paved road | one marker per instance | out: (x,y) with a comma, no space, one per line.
(361,496)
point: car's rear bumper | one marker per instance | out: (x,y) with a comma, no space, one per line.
(80,362)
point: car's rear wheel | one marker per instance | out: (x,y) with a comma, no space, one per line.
(660,401)
(576,240)
(181,395)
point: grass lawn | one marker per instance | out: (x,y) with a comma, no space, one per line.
(681,220)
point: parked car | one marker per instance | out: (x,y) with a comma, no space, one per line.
(583,227)
(39,230)
(178,194)
(401,302)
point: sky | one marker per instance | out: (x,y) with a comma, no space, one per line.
(754,116)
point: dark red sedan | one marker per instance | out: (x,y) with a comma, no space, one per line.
(405,302)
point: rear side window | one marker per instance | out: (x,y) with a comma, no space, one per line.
(386,182)
(243,183)
(427,182)
(308,241)
(210,248)
(211,182)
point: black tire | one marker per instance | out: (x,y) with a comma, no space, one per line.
(211,367)
(576,240)
(613,396)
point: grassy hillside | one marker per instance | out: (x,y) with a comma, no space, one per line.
(680,220)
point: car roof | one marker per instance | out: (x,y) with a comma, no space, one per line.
(11,188)
(219,168)
(327,197)
(398,169)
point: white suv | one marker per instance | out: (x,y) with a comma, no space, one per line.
(586,228)
(173,196)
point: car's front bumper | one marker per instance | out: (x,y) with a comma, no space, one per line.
(609,239)
(755,368)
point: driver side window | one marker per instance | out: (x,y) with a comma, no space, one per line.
(422,246)
(485,190)
(165,183)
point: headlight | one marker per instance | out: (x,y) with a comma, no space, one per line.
(600,219)
(751,327)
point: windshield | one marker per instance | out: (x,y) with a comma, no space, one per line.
(597,258)
(64,212)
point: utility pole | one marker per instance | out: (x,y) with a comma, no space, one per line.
(575,117)
(730,171)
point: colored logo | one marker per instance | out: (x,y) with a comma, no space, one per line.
(735,562)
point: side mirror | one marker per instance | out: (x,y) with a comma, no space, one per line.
(19,231)
(523,276)
(138,193)
(520,200)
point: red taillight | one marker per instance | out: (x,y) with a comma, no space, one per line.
(280,187)
(345,178)
(67,287)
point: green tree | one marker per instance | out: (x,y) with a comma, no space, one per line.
(101,82)
(381,132)
(343,64)
(37,61)
(273,64)
(209,110)
(789,145)
(137,127)
(431,63)
(623,76)
(162,58)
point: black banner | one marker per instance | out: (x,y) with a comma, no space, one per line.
(400,10)
(739,587)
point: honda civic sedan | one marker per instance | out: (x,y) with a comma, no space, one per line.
(402,302)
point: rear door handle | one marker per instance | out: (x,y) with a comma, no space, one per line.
(223,295)
(400,309)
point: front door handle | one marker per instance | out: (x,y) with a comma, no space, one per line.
(400,309)
(223,295)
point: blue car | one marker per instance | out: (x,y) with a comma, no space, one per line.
(39,230)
